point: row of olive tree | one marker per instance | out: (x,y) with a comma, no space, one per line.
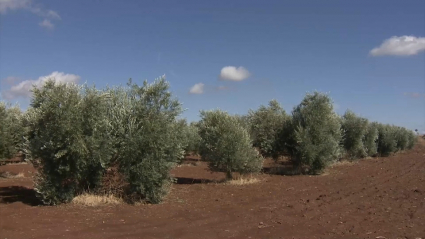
(11,130)
(362,139)
(313,136)
(76,133)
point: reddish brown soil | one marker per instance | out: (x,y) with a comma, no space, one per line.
(371,198)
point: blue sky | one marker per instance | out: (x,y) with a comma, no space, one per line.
(233,55)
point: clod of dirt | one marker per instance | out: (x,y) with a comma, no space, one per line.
(320,196)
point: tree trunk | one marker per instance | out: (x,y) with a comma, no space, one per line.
(229,175)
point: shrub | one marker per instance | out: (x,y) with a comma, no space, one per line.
(405,138)
(413,138)
(76,133)
(3,131)
(226,144)
(401,138)
(148,139)
(316,132)
(190,137)
(370,139)
(67,140)
(265,125)
(11,130)
(387,143)
(243,121)
(355,129)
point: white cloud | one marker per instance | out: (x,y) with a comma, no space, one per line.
(6,5)
(234,73)
(10,80)
(197,89)
(53,14)
(23,89)
(47,24)
(414,95)
(336,106)
(400,46)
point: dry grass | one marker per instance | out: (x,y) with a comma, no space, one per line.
(188,164)
(20,163)
(10,175)
(343,163)
(243,181)
(92,200)
(340,163)
(16,163)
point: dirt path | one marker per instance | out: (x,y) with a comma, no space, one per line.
(371,198)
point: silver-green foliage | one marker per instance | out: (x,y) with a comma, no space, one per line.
(370,140)
(3,131)
(190,137)
(355,129)
(243,121)
(226,144)
(393,138)
(68,140)
(147,137)
(75,133)
(405,138)
(266,124)
(11,130)
(387,143)
(317,133)
(412,137)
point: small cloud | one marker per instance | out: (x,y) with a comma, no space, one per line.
(400,46)
(47,24)
(414,95)
(173,73)
(53,14)
(234,73)
(8,5)
(197,89)
(23,89)
(336,106)
(45,13)
(222,87)
(10,80)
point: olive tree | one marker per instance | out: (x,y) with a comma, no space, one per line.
(67,140)
(355,129)
(370,140)
(226,144)
(147,137)
(75,133)
(11,130)
(317,133)
(387,143)
(266,123)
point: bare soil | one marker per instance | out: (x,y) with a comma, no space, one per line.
(371,198)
